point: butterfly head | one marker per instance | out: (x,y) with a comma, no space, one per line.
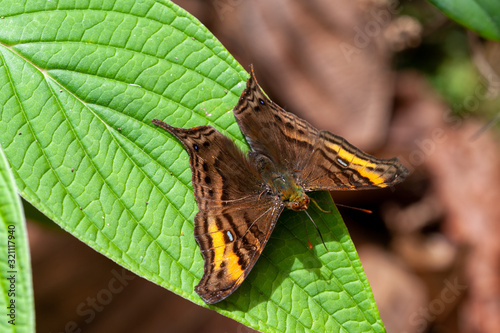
(297,203)
(290,193)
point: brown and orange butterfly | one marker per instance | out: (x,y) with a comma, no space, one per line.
(240,197)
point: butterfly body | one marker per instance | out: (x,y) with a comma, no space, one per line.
(286,189)
(240,197)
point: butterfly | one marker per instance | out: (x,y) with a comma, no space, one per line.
(240,197)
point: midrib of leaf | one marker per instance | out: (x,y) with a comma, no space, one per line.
(97,171)
(127,209)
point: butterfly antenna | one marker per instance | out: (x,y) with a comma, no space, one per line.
(317,229)
(355,208)
(321,209)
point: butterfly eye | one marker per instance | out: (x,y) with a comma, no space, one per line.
(295,205)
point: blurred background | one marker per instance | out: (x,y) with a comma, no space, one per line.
(393,78)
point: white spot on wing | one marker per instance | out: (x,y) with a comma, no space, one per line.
(342,162)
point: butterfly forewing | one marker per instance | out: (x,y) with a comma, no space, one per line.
(236,215)
(271,131)
(221,172)
(335,164)
(320,160)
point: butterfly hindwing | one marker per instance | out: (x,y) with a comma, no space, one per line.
(231,240)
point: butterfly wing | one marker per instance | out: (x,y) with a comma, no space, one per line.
(320,160)
(231,240)
(236,215)
(283,137)
(335,164)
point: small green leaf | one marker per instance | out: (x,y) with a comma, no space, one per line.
(481,16)
(15,267)
(79,85)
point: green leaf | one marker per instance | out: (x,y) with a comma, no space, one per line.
(481,16)
(15,266)
(79,85)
